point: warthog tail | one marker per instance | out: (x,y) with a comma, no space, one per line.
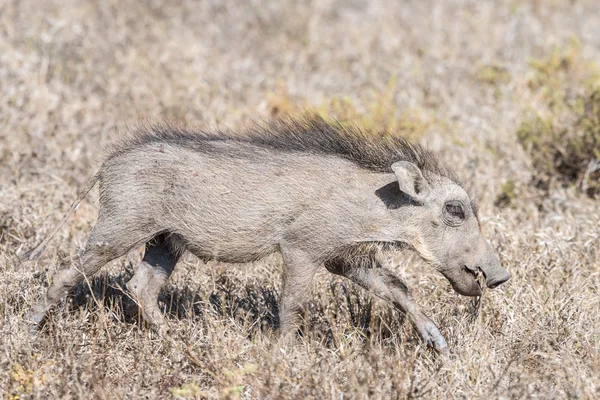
(37,251)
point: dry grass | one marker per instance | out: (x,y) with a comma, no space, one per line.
(562,131)
(73,71)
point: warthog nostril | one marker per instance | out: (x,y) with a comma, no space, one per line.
(497,280)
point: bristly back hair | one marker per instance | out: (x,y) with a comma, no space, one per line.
(375,151)
(308,133)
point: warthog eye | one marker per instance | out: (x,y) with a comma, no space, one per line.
(454,212)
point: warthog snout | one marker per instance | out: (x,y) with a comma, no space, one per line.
(497,279)
(494,274)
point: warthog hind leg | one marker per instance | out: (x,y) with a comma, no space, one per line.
(100,249)
(150,276)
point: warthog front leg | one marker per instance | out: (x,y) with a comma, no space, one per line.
(298,272)
(150,276)
(369,274)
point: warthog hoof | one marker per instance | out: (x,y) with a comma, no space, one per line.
(34,320)
(431,334)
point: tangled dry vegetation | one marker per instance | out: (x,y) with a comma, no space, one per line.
(504,90)
(563,134)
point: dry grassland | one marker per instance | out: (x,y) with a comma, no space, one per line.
(458,75)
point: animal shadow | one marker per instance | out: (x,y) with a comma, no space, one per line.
(248,304)
(252,305)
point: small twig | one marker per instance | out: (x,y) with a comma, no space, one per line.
(476,303)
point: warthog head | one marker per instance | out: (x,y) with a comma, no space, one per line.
(444,230)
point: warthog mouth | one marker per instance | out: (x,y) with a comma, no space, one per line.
(466,281)
(473,273)
(477,275)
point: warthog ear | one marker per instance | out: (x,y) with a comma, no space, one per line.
(411,180)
